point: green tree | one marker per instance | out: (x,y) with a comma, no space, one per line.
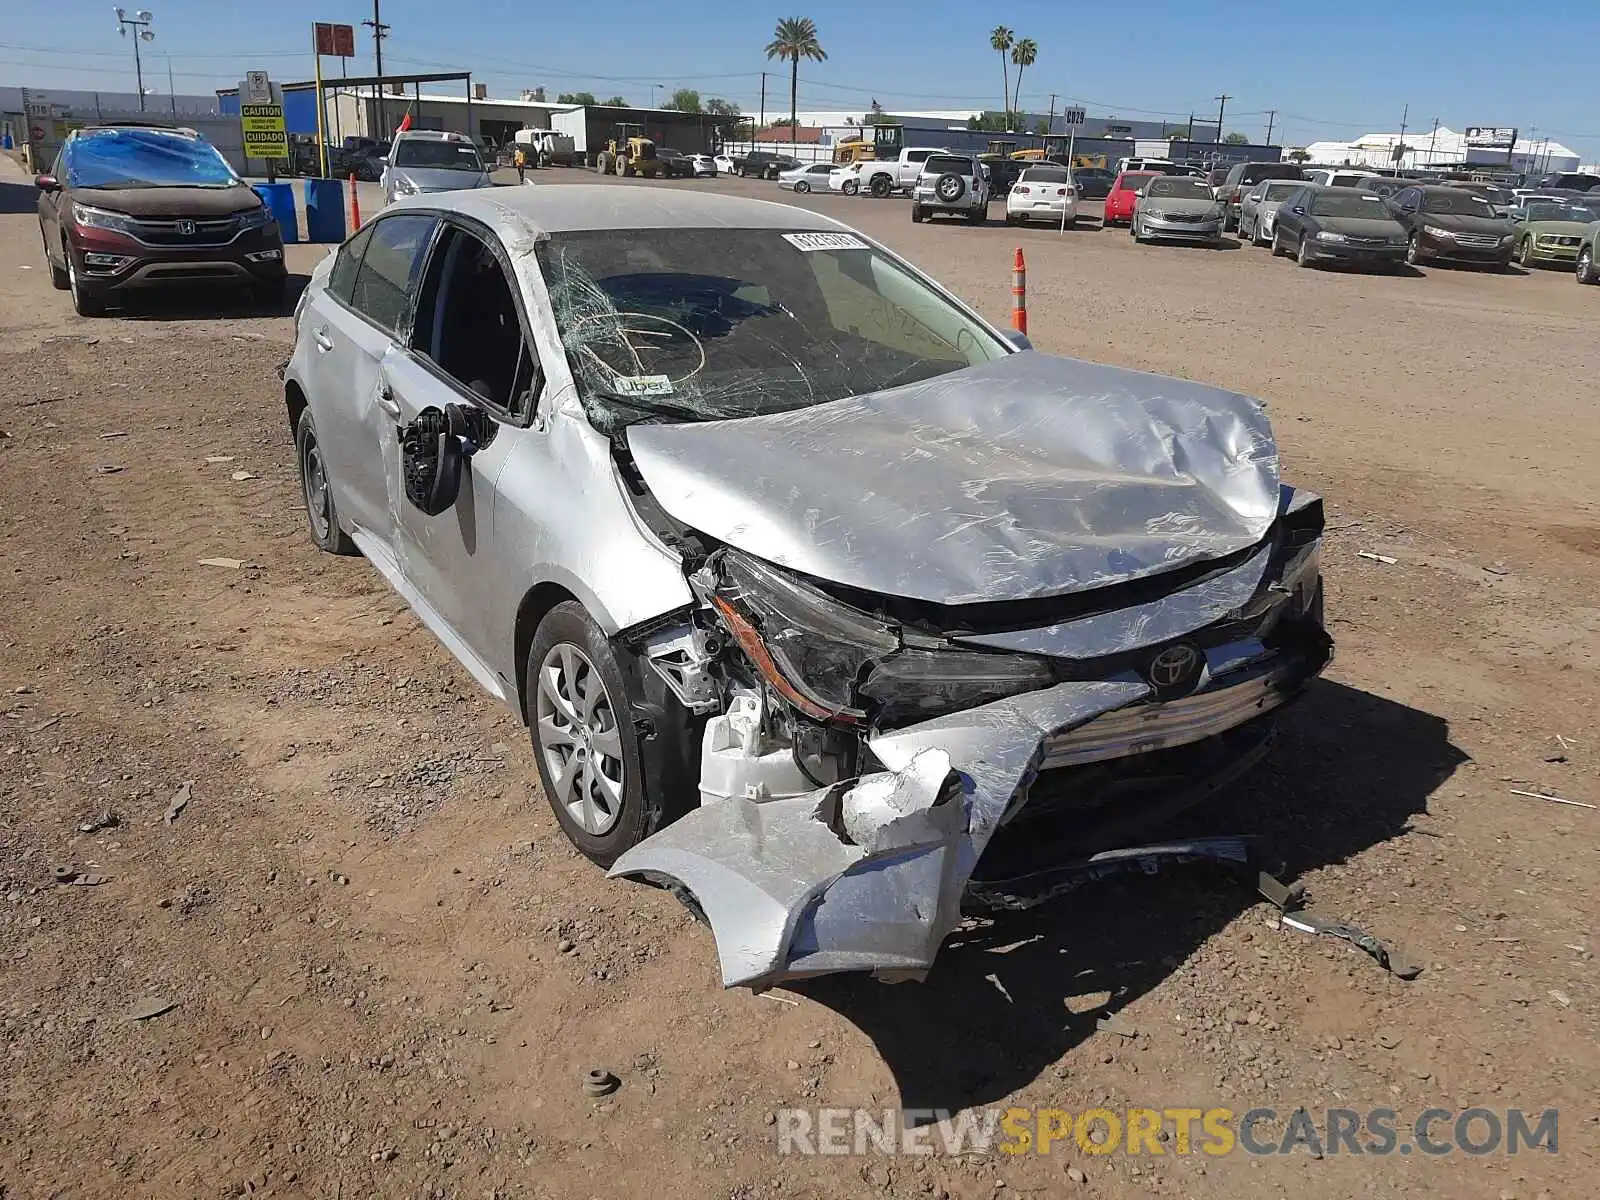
(1002,39)
(538,93)
(1300,154)
(684,100)
(617,102)
(1023,55)
(1236,139)
(989,122)
(577,98)
(795,38)
(716,106)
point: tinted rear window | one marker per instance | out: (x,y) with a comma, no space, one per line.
(938,164)
(1256,172)
(1044,175)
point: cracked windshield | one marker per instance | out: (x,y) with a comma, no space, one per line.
(711,324)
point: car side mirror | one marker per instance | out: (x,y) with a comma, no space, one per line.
(47,183)
(1516,216)
(1300,208)
(431,458)
(1017,338)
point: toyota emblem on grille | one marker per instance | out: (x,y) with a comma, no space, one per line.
(186,228)
(1175,670)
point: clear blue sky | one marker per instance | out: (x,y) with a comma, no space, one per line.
(1332,70)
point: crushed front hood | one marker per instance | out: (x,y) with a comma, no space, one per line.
(1027,476)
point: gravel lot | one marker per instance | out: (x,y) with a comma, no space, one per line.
(390,971)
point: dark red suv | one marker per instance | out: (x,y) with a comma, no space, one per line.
(129,207)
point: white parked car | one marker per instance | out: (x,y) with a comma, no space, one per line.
(703,165)
(846,179)
(1258,209)
(1330,177)
(1042,193)
(724,164)
(806,177)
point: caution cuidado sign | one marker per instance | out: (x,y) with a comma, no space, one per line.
(265,135)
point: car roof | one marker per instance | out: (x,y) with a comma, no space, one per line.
(573,207)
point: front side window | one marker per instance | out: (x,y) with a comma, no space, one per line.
(431,154)
(708,324)
(389,267)
(125,158)
(467,321)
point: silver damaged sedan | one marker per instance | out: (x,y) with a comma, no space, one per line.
(826,604)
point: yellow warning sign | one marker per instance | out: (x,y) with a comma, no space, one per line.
(264,133)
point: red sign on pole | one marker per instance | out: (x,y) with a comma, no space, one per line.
(336,40)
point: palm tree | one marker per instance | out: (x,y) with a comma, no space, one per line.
(1002,39)
(794,39)
(1023,54)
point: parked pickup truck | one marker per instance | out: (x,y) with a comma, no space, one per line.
(885,177)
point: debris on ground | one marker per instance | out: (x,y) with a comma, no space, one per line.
(1382,558)
(107,819)
(241,476)
(231,564)
(600,1082)
(111,470)
(1553,799)
(1117,1024)
(147,1007)
(64,873)
(179,802)
(1388,957)
(115,433)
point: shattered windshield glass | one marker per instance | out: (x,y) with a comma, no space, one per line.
(711,324)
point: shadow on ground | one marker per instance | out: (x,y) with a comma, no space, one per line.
(205,303)
(958,1040)
(18,198)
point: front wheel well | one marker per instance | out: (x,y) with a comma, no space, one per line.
(541,598)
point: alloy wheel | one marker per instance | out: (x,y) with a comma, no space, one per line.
(1585,266)
(578,736)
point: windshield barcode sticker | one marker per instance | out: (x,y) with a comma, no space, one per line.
(824,241)
(643,385)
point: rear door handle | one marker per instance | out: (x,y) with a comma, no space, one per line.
(387,402)
(323,341)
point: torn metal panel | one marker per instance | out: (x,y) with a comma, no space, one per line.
(1023,477)
(789,892)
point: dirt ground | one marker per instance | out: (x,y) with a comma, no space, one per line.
(390,971)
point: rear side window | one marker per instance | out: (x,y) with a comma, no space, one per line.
(389,267)
(342,280)
(918,155)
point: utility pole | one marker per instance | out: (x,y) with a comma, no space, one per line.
(763,123)
(1400,145)
(1191,127)
(1050,123)
(1272,117)
(140,24)
(1222,104)
(172,92)
(1433,140)
(379,32)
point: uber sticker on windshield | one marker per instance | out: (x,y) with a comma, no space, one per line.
(644,385)
(824,241)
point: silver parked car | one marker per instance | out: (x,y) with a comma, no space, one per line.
(1178,207)
(1259,207)
(822,599)
(421,161)
(806,177)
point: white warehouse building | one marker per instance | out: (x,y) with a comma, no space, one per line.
(1442,148)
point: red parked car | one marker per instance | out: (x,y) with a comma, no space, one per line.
(1125,193)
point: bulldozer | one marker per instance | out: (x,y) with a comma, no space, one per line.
(629,154)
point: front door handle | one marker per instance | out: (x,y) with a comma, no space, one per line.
(387,402)
(323,341)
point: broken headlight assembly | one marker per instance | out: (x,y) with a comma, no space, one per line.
(834,663)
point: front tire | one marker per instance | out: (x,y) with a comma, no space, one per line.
(1256,238)
(322,516)
(58,275)
(584,737)
(801,187)
(1303,252)
(850,187)
(1585,269)
(87,301)
(1525,254)
(1277,244)
(1414,255)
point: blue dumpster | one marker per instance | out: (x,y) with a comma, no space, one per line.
(279,198)
(324,210)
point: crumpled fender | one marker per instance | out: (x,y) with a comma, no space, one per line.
(866,876)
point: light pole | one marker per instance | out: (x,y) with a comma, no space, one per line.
(655,94)
(140,24)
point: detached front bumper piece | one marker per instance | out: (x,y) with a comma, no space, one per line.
(870,875)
